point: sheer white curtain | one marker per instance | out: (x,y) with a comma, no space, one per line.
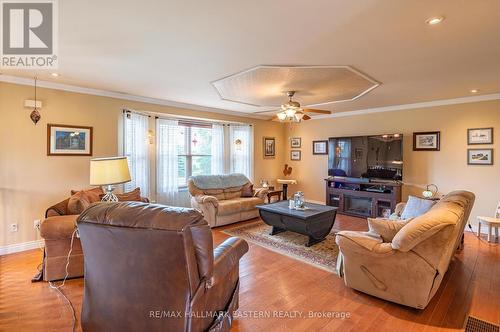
(217,159)
(241,152)
(167,179)
(136,148)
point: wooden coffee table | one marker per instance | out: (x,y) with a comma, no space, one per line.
(316,222)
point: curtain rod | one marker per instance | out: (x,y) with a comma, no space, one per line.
(186,118)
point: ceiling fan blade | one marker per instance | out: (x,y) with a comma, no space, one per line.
(310,110)
(260,112)
(306,117)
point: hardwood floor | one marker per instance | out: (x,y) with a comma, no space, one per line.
(281,285)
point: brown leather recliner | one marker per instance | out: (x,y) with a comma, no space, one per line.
(150,267)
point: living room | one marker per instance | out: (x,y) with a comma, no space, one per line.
(341,166)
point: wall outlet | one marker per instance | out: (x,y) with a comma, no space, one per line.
(36,223)
(13,228)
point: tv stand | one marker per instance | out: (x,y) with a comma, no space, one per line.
(362,198)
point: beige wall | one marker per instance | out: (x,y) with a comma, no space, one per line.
(30,181)
(447,168)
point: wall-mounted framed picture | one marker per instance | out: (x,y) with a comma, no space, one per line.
(426,141)
(269,147)
(480,136)
(479,156)
(320,147)
(68,140)
(295,142)
(295,155)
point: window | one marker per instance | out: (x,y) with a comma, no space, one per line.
(136,148)
(194,150)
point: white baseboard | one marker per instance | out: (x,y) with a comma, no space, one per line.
(18,247)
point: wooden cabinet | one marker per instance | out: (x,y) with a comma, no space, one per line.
(362,199)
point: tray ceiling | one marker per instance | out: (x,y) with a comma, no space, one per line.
(314,85)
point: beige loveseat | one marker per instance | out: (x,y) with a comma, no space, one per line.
(408,265)
(220,198)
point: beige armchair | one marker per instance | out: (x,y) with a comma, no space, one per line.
(409,266)
(225,199)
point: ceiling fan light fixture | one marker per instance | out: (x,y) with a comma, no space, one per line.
(290,112)
(281,116)
(299,116)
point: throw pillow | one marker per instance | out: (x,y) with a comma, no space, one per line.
(247,191)
(131,196)
(416,207)
(78,202)
(386,228)
(93,194)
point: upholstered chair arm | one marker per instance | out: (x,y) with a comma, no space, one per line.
(261,193)
(226,256)
(362,243)
(207,205)
(205,199)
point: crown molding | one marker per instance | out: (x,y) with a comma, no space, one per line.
(162,102)
(402,107)
(124,96)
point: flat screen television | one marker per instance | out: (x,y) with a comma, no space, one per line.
(373,157)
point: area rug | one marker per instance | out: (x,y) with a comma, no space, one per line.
(322,255)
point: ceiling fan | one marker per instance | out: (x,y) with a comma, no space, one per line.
(292,112)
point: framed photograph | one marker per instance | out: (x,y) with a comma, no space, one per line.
(479,156)
(295,155)
(295,142)
(67,140)
(320,147)
(479,136)
(269,147)
(426,141)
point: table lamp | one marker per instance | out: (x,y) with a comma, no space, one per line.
(108,172)
(430,191)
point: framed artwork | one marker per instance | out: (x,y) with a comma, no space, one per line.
(426,141)
(295,155)
(479,156)
(67,140)
(479,136)
(269,147)
(320,147)
(295,142)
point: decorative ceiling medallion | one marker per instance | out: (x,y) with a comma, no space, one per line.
(265,86)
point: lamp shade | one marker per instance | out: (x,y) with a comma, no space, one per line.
(108,171)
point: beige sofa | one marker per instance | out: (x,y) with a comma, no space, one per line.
(219,198)
(409,267)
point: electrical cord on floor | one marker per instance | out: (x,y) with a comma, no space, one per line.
(477,235)
(58,287)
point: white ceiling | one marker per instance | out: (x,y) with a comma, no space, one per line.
(173,50)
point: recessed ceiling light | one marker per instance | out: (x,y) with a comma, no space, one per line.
(474,91)
(435,20)
(54,74)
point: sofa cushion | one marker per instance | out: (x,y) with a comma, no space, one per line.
(229,206)
(232,192)
(79,202)
(386,228)
(217,193)
(247,190)
(416,207)
(249,203)
(92,193)
(424,226)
